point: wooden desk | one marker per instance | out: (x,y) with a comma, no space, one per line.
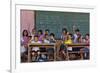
(79,45)
(46,45)
(76,45)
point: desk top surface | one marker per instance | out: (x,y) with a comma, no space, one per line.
(45,44)
(42,44)
(78,44)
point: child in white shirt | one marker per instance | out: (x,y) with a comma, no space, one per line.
(35,50)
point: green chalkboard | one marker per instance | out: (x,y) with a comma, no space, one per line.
(55,21)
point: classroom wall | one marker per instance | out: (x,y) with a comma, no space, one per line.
(27,20)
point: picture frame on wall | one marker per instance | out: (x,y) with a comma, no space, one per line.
(46,36)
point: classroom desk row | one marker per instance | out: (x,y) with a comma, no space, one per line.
(77,46)
(53,45)
(46,45)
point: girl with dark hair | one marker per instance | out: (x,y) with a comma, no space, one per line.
(41,35)
(24,45)
(25,38)
(64,33)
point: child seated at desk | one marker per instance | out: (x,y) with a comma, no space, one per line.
(51,50)
(63,48)
(80,39)
(40,35)
(46,38)
(76,36)
(62,51)
(41,39)
(68,39)
(52,38)
(35,50)
(77,39)
(86,49)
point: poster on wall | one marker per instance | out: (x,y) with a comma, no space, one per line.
(49,36)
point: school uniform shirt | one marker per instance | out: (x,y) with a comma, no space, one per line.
(24,40)
(88,42)
(52,40)
(46,41)
(75,38)
(35,48)
(63,37)
(68,41)
(41,37)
